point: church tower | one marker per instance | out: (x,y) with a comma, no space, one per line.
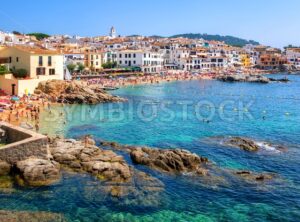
(113,33)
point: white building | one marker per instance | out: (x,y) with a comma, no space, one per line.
(203,62)
(293,57)
(148,61)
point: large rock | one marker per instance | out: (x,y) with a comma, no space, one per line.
(37,172)
(169,160)
(74,92)
(85,156)
(242,143)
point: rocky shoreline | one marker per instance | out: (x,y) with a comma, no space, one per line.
(83,156)
(118,177)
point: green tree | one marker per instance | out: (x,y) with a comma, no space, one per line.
(20,73)
(3,70)
(109,65)
(16,33)
(80,67)
(71,67)
(38,35)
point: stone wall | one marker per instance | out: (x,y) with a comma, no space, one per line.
(22,144)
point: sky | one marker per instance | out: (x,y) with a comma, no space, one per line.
(271,22)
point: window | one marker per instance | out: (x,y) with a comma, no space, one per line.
(125,61)
(92,57)
(120,55)
(134,62)
(40,71)
(17,59)
(125,55)
(97,57)
(9,60)
(120,62)
(97,63)
(40,60)
(129,55)
(51,71)
(134,55)
(49,61)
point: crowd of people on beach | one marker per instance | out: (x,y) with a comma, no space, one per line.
(24,112)
(149,79)
(167,76)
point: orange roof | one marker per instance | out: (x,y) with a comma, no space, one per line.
(36,50)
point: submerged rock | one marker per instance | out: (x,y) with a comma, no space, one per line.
(142,190)
(37,172)
(254,177)
(75,92)
(25,216)
(172,161)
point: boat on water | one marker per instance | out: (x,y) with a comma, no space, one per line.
(108,88)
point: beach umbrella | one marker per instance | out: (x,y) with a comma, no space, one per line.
(15,98)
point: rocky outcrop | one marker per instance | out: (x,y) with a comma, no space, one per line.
(243,78)
(166,160)
(249,78)
(25,216)
(242,143)
(169,160)
(279,80)
(74,92)
(37,172)
(85,156)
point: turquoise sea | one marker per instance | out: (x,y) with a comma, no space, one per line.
(189,115)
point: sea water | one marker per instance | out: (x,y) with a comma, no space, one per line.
(189,115)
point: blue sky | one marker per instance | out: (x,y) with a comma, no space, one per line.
(271,22)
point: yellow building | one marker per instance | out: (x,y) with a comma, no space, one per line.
(40,64)
(94,60)
(245,60)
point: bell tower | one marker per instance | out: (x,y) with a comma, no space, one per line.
(113,33)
